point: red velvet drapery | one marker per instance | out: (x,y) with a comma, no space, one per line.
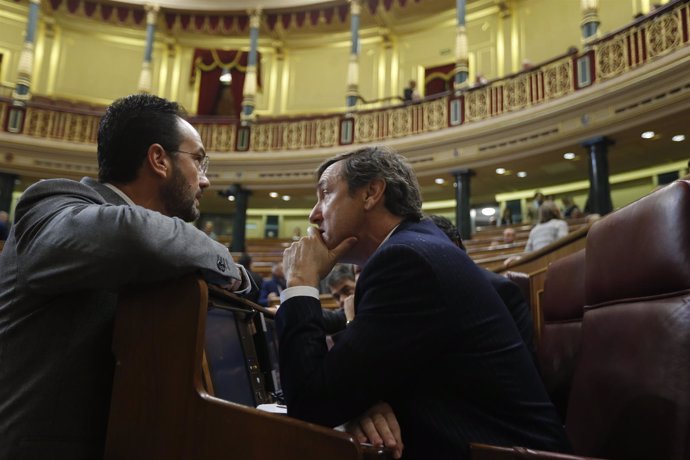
(212,94)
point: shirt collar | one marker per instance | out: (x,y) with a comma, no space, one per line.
(389,234)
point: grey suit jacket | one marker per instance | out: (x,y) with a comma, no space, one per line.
(74,245)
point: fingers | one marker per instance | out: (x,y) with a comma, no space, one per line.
(343,248)
(359,435)
(386,426)
(393,442)
(368,427)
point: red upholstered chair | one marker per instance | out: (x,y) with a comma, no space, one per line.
(630,398)
(562,305)
(630,394)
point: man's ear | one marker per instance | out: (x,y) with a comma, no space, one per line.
(374,193)
(158,160)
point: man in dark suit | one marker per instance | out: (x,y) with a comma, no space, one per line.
(271,288)
(431,337)
(508,291)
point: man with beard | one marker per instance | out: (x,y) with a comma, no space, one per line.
(74,245)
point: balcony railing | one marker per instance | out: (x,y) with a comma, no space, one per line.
(658,34)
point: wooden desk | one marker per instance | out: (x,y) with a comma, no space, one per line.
(159,408)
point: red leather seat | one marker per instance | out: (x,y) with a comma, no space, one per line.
(630,397)
(630,394)
(562,304)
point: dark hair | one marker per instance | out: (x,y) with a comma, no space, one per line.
(339,273)
(130,125)
(449,229)
(245,260)
(402,196)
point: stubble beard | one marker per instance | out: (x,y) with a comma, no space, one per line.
(178,197)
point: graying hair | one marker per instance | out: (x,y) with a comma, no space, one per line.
(339,273)
(402,196)
(547,211)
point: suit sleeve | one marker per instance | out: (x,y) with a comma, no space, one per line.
(68,239)
(333,320)
(374,359)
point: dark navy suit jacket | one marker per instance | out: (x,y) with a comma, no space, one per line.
(433,339)
(273,285)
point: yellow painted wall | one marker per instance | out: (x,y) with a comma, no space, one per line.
(87,60)
(12,26)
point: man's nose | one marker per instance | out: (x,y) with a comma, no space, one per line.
(204,182)
(315,215)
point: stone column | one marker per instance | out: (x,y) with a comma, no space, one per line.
(353,65)
(6,188)
(239,225)
(144,85)
(25,71)
(250,80)
(462,202)
(461,50)
(599,187)
(590,20)
(26,58)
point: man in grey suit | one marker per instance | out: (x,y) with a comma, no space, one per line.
(74,245)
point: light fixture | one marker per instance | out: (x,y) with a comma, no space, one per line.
(231,197)
(226,76)
(488,212)
(521,174)
(440,180)
(648,134)
(678,138)
(273,194)
(569,155)
(286,197)
(500,170)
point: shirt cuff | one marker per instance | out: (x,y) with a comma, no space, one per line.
(296,291)
(246,285)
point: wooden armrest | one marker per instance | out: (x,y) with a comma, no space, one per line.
(488,452)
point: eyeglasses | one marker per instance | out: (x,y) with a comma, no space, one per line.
(202,161)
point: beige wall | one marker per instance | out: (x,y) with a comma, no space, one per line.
(12,26)
(86,60)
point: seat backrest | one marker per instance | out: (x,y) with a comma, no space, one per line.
(159,408)
(562,305)
(630,396)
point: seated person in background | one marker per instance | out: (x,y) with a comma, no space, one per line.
(73,247)
(246,261)
(410,94)
(510,292)
(341,283)
(533,208)
(570,209)
(508,236)
(4,225)
(431,337)
(271,289)
(208,229)
(506,216)
(549,229)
